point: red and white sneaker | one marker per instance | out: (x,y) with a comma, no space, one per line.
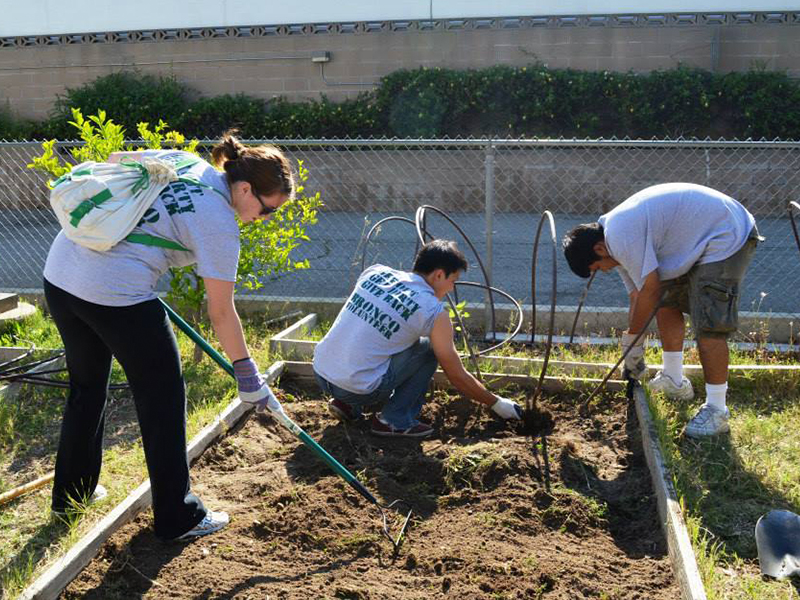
(342,411)
(382,428)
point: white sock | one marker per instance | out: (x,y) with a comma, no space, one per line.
(673,365)
(715,394)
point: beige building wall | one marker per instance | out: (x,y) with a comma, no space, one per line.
(277,61)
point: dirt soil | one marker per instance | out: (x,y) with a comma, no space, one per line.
(496,515)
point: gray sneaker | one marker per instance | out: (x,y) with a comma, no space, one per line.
(664,384)
(708,421)
(211,523)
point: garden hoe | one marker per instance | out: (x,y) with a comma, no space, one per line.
(283,419)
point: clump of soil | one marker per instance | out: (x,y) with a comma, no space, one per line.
(536,421)
(496,515)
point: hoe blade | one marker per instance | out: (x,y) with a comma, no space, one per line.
(778,542)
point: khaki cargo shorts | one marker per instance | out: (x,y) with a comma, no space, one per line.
(709,293)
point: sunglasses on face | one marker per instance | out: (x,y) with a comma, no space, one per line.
(265,210)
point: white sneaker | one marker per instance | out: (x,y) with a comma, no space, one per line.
(708,421)
(211,523)
(665,384)
(100,493)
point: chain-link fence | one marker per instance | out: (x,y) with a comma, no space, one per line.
(495,190)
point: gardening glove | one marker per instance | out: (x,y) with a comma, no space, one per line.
(507,409)
(252,387)
(634,360)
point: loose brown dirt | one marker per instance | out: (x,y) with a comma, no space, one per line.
(496,515)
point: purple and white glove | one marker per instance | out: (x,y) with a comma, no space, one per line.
(252,387)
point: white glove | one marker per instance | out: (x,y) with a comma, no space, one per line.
(635,366)
(507,409)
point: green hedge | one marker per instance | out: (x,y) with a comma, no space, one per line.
(531,101)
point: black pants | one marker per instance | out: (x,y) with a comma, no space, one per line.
(141,339)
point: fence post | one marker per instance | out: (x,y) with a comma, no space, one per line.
(489,208)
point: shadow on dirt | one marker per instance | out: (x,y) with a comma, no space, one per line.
(617,497)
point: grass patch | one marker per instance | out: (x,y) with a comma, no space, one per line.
(727,483)
(30,537)
(470,465)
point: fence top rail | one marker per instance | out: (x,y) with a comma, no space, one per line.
(478,142)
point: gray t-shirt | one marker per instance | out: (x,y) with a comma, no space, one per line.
(670,228)
(388,311)
(200,219)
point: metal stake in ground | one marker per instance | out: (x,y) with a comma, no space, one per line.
(293,427)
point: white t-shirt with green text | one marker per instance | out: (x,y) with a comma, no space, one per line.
(387,312)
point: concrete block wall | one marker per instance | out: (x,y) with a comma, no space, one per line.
(33,73)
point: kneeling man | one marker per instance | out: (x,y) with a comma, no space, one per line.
(686,246)
(384,345)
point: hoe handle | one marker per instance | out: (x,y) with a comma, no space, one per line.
(197,338)
(24,489)
(282,418)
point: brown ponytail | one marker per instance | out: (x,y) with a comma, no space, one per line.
(265,167)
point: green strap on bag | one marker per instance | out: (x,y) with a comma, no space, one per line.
(141,183)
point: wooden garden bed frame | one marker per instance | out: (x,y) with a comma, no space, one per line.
(514,372)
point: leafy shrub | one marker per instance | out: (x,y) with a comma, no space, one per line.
(211,117)
(758,104)
(322,118)
(128,98)
(13,128)
(530,101)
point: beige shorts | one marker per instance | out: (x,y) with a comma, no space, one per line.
(709,293)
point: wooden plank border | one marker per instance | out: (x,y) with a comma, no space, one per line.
(297,328)
(298,349)
(304,370)
(53,581)
(681,553)
(283,343)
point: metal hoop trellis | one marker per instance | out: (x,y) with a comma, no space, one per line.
(546,216)
(584,295)
(421,229)
(424,236)
(376,228)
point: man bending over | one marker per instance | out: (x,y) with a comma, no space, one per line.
(384,345)
(693,245)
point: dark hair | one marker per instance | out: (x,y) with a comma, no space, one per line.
(578,247)
(265,167)
(440,254)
